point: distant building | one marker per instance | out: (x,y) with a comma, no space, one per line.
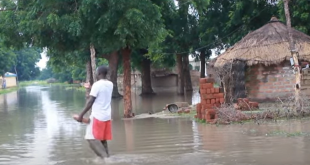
(164,78)
(194,63)
(10,79)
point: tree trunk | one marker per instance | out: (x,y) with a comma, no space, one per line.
(112,75)
(127,83)
(146,77)
(93,62)
(180,75)
(16,75)
(202,64)
(187,75)
(89,77)
(294,55)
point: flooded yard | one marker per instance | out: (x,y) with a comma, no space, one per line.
(36,128)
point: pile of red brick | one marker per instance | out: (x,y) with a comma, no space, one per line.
(211,98)
(245,104)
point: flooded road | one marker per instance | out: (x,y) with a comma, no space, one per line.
(36,129)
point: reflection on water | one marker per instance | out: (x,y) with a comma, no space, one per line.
(36,128)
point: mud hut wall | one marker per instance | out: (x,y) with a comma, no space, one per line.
(269,82)
(305,82)
(165,81)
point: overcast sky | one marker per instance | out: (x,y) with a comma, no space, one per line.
(42,63)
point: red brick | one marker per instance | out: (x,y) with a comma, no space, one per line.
(252,91)
(208,101)
(203,101)
(207,86)
(246,100)
(216,90)
(203,81)
(212,90)
(254,105)
(213,101)
(207,96)
(203,91)
(208,91)
(210,110)
(222,100)
(219,95)
(217,100)
(198,106)
(264,87)
(218,105)
(207,106)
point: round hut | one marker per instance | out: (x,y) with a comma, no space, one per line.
(265,55)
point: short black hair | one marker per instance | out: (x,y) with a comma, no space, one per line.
(103,70)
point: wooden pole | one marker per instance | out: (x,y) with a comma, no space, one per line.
(294,55)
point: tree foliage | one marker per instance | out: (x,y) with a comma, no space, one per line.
(7,58)
(25,64)
(300,14)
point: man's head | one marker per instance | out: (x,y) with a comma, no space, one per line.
(102,72)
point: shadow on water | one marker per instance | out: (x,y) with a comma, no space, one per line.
(36,128)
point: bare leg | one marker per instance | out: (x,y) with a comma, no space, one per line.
(105,145)
(97,147)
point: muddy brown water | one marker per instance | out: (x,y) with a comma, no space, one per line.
(36,129)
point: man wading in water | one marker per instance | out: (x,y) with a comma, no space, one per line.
(98,130)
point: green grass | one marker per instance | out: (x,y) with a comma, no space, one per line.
(28,83)
(8,90)
(43,83)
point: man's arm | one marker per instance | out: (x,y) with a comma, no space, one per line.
(88,105)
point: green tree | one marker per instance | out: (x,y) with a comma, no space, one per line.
(107,25)
(46,73)
(300,13)
(7,59)
(213,16)
(25,64)
(245,16)
(125,26)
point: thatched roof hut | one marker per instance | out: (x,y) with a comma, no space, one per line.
(267,45)
(257,66)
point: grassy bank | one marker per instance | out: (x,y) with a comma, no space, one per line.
(38,83)
(43,83)
(8,90)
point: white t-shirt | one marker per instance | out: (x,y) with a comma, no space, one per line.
(101,108)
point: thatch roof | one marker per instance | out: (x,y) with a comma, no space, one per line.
(267,45)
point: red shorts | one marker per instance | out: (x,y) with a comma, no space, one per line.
(102,129)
